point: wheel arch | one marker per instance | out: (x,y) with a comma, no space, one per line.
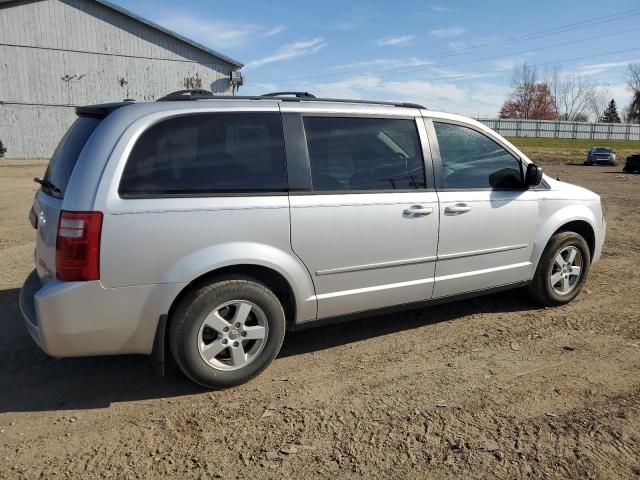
(573,218)
(582,228)
(269,277)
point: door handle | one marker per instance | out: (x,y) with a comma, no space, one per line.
(418,211)
(457,209)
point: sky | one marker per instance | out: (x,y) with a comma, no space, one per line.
(454,56)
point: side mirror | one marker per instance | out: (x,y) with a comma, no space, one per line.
(533,177)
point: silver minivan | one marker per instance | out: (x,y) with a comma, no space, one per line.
(210,226)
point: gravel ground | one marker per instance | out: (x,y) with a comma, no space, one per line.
(489,387)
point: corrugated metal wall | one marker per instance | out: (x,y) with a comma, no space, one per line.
(56,54)
(556,129)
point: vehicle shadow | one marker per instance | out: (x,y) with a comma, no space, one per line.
(321,338)
(32,381)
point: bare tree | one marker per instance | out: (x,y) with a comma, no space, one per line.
(633,82)
(600,101)
(540,106)
(573,93)
(523,86)
(633,76)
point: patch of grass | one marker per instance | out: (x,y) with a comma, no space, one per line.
(570,143)
(568,150)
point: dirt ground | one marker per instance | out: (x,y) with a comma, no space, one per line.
(491,387)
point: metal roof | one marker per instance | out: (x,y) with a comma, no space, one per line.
(155,26)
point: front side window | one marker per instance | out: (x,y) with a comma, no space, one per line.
(364,154)
(208,153)
(470,159)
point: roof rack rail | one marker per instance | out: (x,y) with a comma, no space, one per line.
(365,102)
(295,94)
(193,94)
(282,96)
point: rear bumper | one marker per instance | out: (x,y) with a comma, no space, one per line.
(72,319)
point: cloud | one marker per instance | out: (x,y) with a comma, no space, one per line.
(447,32)
(459,45)
(213,33)
(274,31)
(507,63)
(289,51)
(440,9)
(395,40)
(604,67)
(434,10)
(476,98)
(258,88)
(384,63)
(357,17)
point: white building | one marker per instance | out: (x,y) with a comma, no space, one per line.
(58,54)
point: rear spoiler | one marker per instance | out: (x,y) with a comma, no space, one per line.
(101,110)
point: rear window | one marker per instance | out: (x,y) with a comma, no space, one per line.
(208,153)
(66,155)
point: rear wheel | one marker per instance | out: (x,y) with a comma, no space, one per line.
(562,269)
(225,333)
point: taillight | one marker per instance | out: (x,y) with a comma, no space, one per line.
(78,246)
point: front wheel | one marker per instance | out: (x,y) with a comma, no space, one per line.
(562,270)
(227,332)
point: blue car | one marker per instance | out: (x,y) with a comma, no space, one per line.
(600,156)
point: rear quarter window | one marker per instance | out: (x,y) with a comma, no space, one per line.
(207,154)
(66,155)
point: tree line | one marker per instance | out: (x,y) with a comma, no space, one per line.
(559,95)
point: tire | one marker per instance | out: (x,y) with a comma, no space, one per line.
(542,288)
(195,332)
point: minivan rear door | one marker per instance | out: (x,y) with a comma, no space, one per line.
(364,215)
(48,201)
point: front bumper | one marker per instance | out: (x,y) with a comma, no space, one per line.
(72,319)
(601,233)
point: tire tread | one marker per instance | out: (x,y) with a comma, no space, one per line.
(539,289)
(184,310)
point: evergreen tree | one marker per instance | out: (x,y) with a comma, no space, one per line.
(610,115)
(634,108)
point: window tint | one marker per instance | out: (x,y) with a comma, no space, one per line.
(364,154)
(473,160)
(66,155)
(208,153)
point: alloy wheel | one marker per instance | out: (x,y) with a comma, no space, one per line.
(233,335)
(566,270)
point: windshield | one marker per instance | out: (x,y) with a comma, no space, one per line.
(602,150)
(66,154)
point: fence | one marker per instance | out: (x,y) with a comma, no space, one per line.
(556,129)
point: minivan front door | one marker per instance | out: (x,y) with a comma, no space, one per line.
(366,222)
(488,220)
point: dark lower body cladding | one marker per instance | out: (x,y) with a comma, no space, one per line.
(27,305)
